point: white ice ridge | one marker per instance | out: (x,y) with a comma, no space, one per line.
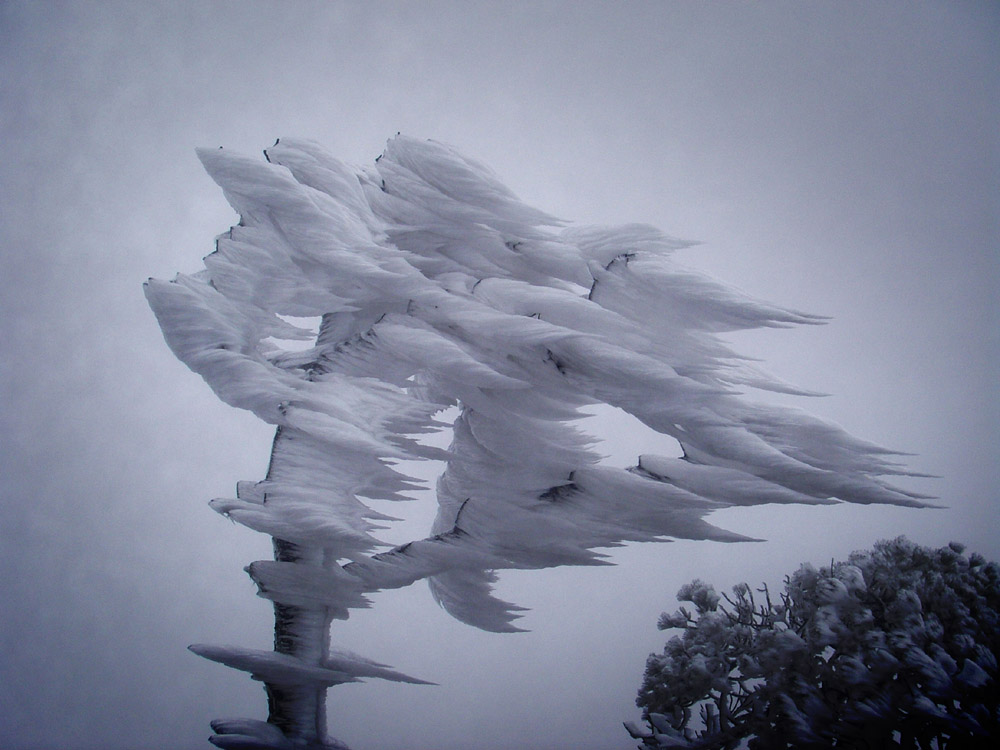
(437,287)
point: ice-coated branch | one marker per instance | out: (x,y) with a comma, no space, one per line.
(435,287)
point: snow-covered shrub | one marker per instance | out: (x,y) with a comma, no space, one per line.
(896,647)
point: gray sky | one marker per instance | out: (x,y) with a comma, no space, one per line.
(836,157)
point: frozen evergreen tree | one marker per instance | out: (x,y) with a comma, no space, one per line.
(435,288)
(896,647)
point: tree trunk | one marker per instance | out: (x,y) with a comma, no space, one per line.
(303,632)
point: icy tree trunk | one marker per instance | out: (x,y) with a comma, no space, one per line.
(303,633)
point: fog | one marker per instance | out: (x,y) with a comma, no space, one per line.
(835,157)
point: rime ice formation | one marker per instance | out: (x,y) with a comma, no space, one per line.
(436,288)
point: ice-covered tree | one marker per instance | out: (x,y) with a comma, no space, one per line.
(896,647)
(437,292)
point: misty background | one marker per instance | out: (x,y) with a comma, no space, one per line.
(837,157)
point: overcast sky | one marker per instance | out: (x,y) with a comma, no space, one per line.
(838,157)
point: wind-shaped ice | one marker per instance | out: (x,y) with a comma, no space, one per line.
(438,288)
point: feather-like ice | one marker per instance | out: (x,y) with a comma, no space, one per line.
(436,286)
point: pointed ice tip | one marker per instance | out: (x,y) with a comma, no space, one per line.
(508,628)
(811,319)
(211,156)
(417,681)
(725,536)
(734,538)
